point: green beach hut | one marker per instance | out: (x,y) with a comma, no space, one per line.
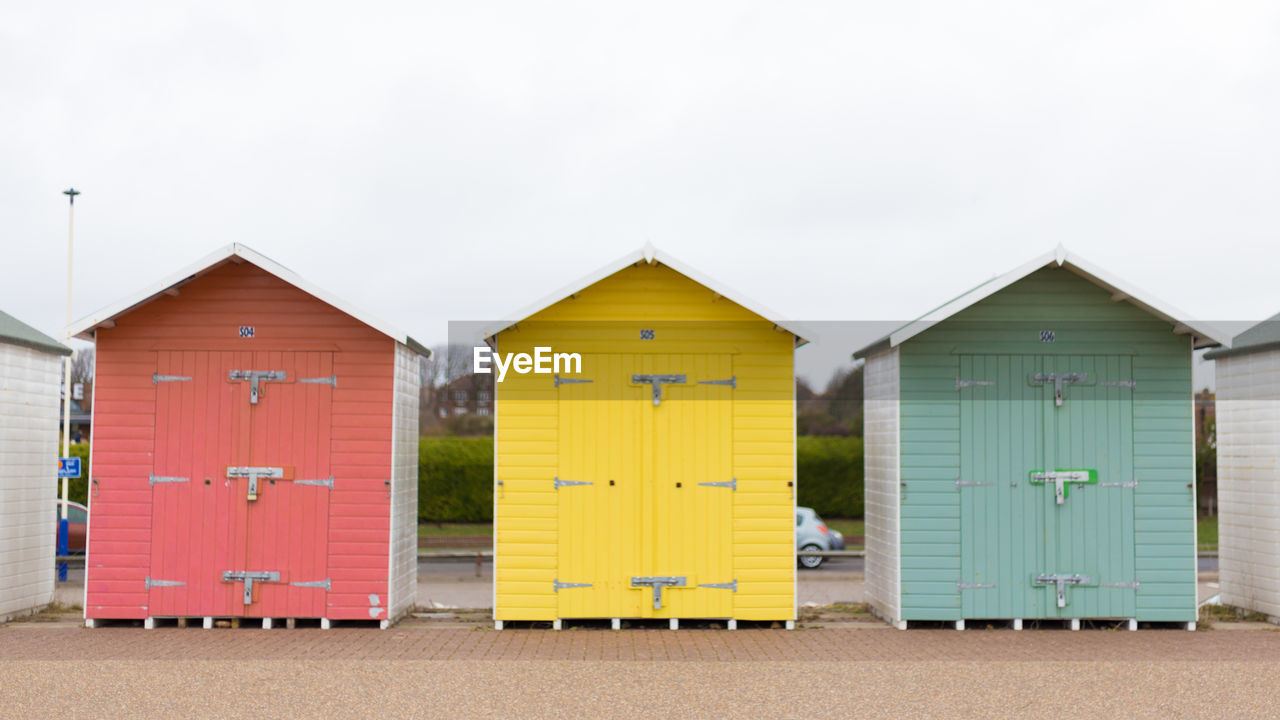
(1030,454)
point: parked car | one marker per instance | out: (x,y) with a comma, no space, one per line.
(77,525)
(812,534)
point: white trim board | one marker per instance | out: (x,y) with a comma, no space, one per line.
(649,254)
(84,327)
(1203,334)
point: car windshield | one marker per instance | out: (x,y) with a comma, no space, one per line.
(74,514)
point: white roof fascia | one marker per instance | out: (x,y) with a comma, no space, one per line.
(1079,266)
(84,327)
(650,254)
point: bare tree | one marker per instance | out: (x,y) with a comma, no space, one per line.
(82,366)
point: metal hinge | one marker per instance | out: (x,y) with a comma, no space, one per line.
(558,586)
(657,582)
(249,577)
(1131,384)
(971,483)
(731,484)
(258,376)
(326,482)
(312,584)
(254,474)
(962,585)
(1060,478)
(970,383)
(1061,581)
(149,583)
(1132,585)
(731,382)
(157,378)
(1131,484)
(570,381)
(721,586)
(563,483)
(657,381)
(1058,379)
(331,380)
(167,479)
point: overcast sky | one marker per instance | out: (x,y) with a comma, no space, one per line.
(456,161)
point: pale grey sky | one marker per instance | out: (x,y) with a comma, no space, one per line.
(455,161)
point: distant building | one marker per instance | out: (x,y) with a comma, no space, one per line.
(469,394)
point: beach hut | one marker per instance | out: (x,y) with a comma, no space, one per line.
(254,452)
(30,375)
(1029,454)
(655,480)
(1247,409)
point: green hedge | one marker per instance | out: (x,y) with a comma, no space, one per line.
(455,479)
(78,488)
(829,475)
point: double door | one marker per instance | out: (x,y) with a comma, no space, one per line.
(1046,487)
(645,487)
(240,484)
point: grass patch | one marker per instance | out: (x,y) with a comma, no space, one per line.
(847,526)
(1227,613)
(1207,533)
(454,529)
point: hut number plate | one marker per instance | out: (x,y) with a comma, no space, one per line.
(1046,336)
(246,331)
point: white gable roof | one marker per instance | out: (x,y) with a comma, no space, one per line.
(1203,334)
(649,254)
(84,327)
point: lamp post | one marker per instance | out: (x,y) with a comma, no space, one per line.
(71,194)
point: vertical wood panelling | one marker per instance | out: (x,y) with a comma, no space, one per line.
(1087,325)
(688,320)
(291,328)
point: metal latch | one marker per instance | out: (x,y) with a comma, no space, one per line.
(1131,384)
(157,378)
(721,586)
(1061,581)
(657,582)
(1058,379)
(731,484)
(731,382)
(313,584)
(254,474)
(558,586)
(324,482)
(1132,585)
(149,583)
(962,585)
(657,381)
(332,380)
(564,483)
(1131,484)
(258,376)
(971,483)
(249,577)
(570,381)
(1060,478)
(166,479)
(972,383)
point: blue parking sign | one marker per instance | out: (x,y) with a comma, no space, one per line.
(69,467)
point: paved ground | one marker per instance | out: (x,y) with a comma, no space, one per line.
(421,671)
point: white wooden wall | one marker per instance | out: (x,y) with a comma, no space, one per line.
(1248,412)
(29,382)
(880,432)
(403,556)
